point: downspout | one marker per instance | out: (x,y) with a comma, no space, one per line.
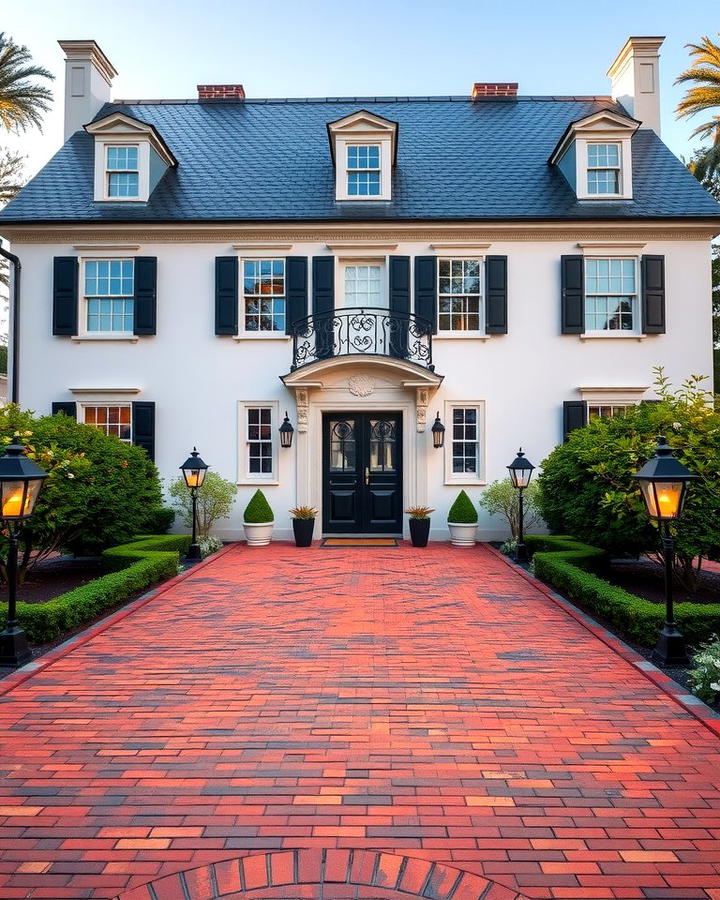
(15,321)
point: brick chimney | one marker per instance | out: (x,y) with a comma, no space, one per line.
(494,89)
(221,92)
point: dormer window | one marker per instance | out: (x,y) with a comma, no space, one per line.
(123,172)
(363,147)
(603,168)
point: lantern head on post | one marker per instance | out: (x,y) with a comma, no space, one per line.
(438,432)
(664,482)
(20,482)
(286,432)
(194,470)
(520,470)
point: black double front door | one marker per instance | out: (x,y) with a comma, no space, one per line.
(362,473)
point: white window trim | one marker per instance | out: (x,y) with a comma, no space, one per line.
(83,333)
(460,478)
(243,334)
(341,264)
(380,140)
(581,162)
(618,168)
(244,475)
(101,171)
(636,333)
(480,334)
(105,400)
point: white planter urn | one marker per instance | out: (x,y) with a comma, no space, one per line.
(258,534)
(462,535)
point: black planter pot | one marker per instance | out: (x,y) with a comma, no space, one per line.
(419,532)
(303,530)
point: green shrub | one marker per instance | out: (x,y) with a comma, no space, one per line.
(570,566)
(131,567)
(501,498)
(159,520)
(587,484)
(258,510)
(215,498)
(462,512)
(705,673)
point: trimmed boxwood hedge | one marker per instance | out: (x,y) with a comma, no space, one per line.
(131,567)
(571,567)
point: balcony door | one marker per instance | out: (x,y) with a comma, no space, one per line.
(362,473)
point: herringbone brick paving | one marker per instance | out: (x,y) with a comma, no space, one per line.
(427,703)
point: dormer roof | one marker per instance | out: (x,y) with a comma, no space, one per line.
(603,123)
(363,123)
(119,125)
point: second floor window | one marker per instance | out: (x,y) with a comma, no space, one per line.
(264,294)
(123,175)
(363,170)
(610,295)
(109,288)
(603,174)
(363,286)
(460,293)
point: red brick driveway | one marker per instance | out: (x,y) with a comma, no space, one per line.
(431,704)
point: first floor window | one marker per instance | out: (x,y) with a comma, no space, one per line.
(363,286)
(259,440)
(109,288)
(123,177)
(115,419)
(607,410)
(610,295)
(603,173)
(363,170)
(459,290)
(465,445)
(264,294)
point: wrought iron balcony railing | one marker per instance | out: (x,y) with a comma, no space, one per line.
(369,332)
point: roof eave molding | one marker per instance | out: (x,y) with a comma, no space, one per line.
(600,123)
(120,125)
(363,123)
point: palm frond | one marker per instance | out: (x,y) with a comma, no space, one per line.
(22,101)
(704,74)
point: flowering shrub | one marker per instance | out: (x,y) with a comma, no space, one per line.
(705,674)
(501,498)
(215,498)
(210,545)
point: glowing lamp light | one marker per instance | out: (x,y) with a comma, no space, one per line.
(194,470)
(663,483)
(20,482)
(520,470)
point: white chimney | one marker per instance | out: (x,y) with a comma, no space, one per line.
(88,80)
(635,80)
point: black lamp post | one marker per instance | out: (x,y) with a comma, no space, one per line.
(664,483)
(20,482)
(438,433)
(194,470)
(520,470)
(286,432)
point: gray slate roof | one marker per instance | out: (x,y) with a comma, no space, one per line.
(270,160)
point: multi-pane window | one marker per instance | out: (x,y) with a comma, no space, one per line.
(610,295)
(259,440)
(607,410)
(603,175)
(264,293)
(109,290)
(459,288)
(363,286)
(123,176)
(465,444)
(363,170)
(111,419)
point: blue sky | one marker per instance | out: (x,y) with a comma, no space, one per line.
(276,48)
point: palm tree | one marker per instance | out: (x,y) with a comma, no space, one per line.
(21,100)
(704,94)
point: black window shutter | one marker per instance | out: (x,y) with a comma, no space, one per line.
(296,284)
(496,295)
(145,306)
(323,291)
(426,290)
(65,295)
(653,294)
(143,426)
(67,407)
(572,279)
(226,295)
(575,415)
(399,296)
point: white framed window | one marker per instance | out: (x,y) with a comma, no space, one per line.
(108,290)
(604,169)
(608,410)
(460,307)
(110,418)
(364,170)
(258,442)
(364,286)
(122,172)
(264,298)
(465,442)
(611,295)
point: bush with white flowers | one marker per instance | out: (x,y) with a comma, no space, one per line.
(705,674)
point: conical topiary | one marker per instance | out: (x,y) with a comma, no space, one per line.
(258,509)
(462,512)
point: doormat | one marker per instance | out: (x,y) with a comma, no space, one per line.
(359,542)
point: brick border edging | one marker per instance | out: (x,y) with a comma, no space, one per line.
(275,873)
(693,705)
(15,679)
